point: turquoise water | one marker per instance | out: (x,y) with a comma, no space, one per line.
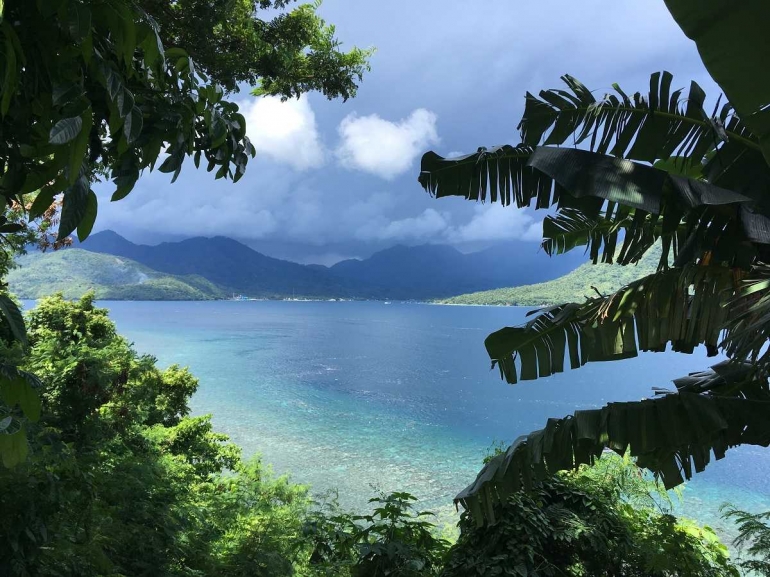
(364,396)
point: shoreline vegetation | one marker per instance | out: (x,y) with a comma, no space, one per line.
(585,281)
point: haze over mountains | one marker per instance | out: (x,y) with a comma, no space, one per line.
(400,272)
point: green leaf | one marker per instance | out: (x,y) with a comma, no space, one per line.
(125,102)
(13,316)
(132,125)
(87,222)
(731,40)
(66,93)
(645,127)
(19,392)
(153,50)
(74,207)
(42,202)
(9,81)
(498,174)
(79,148)
(14,448)
(66,130)
(79,21)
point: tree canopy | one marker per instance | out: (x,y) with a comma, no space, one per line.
(623,174)
(286,54)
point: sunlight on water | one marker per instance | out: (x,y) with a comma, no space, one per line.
(364,397)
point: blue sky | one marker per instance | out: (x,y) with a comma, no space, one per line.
(336,180)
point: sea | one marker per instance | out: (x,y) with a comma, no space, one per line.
(359,398)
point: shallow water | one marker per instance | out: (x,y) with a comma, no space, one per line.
(361,396)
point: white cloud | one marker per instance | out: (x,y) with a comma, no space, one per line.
(489,223)
(425,226)
(534,232)
(284,131)
(494,222)
(384,148)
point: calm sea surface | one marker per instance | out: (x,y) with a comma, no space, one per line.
(365,396)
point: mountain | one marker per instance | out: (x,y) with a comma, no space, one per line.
(74,272)
(572,287)
(436,271)
(229,264)
(400,272)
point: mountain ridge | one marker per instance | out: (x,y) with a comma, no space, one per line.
(421,272)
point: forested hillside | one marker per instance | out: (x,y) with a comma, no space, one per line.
(74,272)
(572,287)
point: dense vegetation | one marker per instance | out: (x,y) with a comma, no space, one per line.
(581,284)
(121,480)
(74,272)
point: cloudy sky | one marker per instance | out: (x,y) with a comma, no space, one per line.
(335,180)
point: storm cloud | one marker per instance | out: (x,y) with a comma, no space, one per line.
(335,180)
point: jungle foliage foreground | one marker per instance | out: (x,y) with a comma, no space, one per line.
(121,480)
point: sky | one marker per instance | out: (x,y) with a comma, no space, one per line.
(336,180)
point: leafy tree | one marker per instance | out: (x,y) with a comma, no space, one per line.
(285,55)
(624,172)
(98,89)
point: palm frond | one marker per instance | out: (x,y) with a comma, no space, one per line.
(500,174)
(645,202)
(682,307)
(671,435)
(731,378)
(748,331)
(570,228)
(735,51)
(661,124)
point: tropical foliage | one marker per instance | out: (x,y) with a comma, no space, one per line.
(607,520)
(98,90)
(753,539)
(619,174)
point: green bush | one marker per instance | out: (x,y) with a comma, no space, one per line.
(396,540)
(606,520)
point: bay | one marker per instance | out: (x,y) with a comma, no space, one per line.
(363,397)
